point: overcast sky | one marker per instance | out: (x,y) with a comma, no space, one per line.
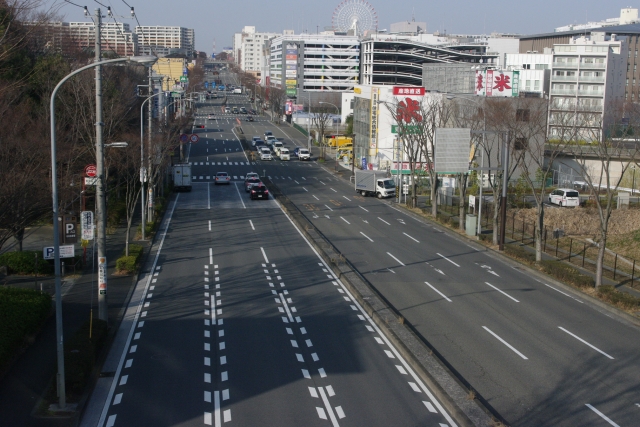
(219,20)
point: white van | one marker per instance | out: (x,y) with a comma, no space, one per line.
(564,197)
(284,154)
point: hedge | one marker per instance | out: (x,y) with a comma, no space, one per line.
(567,273)
(25,263)
(80,355)
(129,264)
(22,312)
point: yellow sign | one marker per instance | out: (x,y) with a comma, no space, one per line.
(291,82)
(357,90)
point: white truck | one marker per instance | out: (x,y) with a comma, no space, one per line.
(182,177)
(374,183)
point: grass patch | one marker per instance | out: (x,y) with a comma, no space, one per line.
(22,312)
(519,252)
(80,355)
(622,300)
(566,273)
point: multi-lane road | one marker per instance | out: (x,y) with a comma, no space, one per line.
(241,322)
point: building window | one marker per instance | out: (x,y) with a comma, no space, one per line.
(536,85)
(522,115)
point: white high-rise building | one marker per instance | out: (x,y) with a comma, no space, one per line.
(164,39)
(116,37)
(587,83)
(250,50)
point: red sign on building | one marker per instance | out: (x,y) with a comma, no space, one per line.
(408,90)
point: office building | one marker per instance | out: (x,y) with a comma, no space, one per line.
(167,40)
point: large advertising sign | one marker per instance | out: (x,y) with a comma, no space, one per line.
(496,83)
(373,129)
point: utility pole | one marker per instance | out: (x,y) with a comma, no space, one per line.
(503,201)
(150,151)
(101,201)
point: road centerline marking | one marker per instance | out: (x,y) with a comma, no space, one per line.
(441,294)
(447,259)
(601,415)
(584,342)
(505,343)
(264,255)
(382,220)
(345,220)
(399,262)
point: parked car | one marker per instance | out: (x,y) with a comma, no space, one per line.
(259,192)
(564,197)
(223,178)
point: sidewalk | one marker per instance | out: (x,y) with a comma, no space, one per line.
(28,379)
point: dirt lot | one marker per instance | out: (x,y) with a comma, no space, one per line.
(624,226)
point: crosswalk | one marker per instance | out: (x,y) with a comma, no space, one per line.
(271,178)
(247,164)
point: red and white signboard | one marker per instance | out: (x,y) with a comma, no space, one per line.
(90,170)
(408,90)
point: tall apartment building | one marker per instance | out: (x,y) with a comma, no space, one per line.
(162,40)
(587,83)
(251,50)
(314,63)
(68,38)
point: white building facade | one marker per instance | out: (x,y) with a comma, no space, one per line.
(166,39)
(587,84)
(535,71)
(251,50)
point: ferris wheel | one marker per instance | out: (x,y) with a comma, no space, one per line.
(357,16)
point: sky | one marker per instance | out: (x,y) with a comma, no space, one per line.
(215,20)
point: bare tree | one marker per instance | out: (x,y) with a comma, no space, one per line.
(320,120)
(277,98)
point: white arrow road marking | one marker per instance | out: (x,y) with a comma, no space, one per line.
(436,269)
(327,216)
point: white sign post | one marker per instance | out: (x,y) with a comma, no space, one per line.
(86,224)
(472,202)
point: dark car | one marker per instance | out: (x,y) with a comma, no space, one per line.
(248,183)
(253,112)
(249,118)
(259,192)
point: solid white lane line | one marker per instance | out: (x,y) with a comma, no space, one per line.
(325,400)
(329,208)
(505,343)
(322,183)
(209,225)
(603,416)
(345,220)
(447,259)
(503,293)
(264,255)
(208,194)
(563,293)
(411,237)
(305,189)
(441,294)
(243,206)
(399,262)
(286,307)
(347,198)
(252,227)
(383,220)
(315,197)
(332,190)
(584,342)
(210,255)
(364,209)
(366,236)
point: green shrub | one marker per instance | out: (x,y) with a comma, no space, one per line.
(22,312)
(621,299)
(25,262)
(567,273)
(80,354)
(129,264)
(116,212)
(521,253)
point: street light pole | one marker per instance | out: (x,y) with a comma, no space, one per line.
(309,124)
(143,171)
(101,202)
(56,238)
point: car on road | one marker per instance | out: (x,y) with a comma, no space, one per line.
(277,146)
(259,192)
(303,153)
(253,112)
(223,178)
(250,175)
(243,110)
(211,116)
(271,140)
(249,118)
(284,154)
(267,134)
(258,143)
(227,110)
(564,197)
(248,183)
(265,154)
(235,110)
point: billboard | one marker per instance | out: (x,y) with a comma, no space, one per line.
(497,83)
(408,90)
